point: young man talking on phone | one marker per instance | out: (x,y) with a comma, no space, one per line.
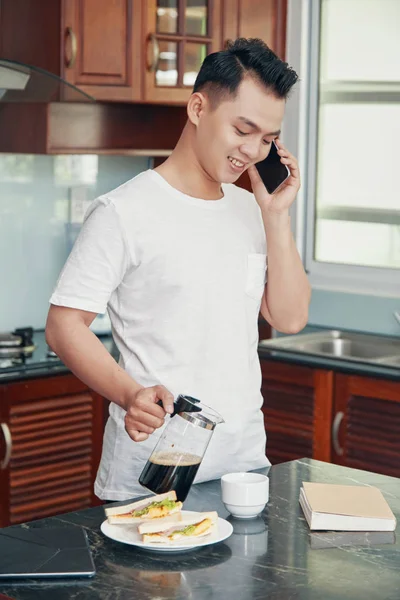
(183,260)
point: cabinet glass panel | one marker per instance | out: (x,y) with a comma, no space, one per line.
(167,16)
(194,56)
(196,17)
(167,67)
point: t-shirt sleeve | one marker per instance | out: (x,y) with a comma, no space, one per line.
(97,263)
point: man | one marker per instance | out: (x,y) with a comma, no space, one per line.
(178,256)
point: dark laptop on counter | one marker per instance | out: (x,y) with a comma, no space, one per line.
(45,553)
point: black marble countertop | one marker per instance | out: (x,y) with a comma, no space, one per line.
(273,556)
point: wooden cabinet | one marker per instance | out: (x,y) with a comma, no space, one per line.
(114,50)
(264,19)
(178,34)
(51,439)
(351,420)
(94,44)
(132,50)
(119,52)
(101,49)
(297,411)
(366,424)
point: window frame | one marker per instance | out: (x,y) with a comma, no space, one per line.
(300,131)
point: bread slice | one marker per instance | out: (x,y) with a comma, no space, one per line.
(165,505)
(189,527)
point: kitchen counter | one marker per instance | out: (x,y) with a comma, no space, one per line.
(42,365)
(352,367)
(272,556)
(331,364)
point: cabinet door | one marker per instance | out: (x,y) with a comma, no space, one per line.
(264,19)
(366,425)
(101,47)
(179,34)
(297,411)
(56,426)
(5,456)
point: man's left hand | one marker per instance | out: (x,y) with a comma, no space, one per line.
(280,201)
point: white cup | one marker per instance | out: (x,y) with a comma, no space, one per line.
(245,494)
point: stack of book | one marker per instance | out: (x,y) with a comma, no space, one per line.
(328,506)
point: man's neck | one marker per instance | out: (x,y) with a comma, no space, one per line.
(183,171)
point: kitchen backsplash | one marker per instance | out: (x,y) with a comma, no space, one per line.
(372,314)
(40,199)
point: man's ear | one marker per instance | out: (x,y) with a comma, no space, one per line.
(196,106)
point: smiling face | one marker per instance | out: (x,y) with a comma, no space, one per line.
(238,132)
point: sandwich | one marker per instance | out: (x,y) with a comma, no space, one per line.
(154,507)
(188,528)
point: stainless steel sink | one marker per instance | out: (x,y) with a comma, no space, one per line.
(341,345)
(390,360)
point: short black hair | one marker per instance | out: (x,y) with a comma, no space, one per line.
(222,72)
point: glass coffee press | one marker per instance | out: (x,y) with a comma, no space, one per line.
(178,453)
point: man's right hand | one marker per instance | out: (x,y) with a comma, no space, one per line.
(143,415)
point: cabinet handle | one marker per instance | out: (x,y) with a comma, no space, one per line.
(7,437)
(335,432)
(74,47)
(155,53)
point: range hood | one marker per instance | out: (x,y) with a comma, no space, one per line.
(40,113)
(26,83)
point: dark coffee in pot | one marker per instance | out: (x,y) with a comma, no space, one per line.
(166,471)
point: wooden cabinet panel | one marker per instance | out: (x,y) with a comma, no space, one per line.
(4,449)
(367,424)
(56,424)
(297,410)
(102,50)
(264,19)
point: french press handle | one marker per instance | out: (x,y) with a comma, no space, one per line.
(184,404)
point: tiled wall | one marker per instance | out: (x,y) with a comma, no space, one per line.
(35,230)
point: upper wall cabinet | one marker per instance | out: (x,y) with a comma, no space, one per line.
(115,50)
(100,47)
(265,19)
(132,50)
(94,44)
(179,34)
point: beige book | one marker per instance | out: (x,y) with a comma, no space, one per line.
(328,506)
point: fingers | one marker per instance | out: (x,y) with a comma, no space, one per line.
(137,436)
(146,413)
(139,432)
(166,397)
(143,415)
(257,184)
(288,159)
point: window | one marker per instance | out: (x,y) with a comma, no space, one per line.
(349,113)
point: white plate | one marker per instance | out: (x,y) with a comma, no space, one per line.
(128,534)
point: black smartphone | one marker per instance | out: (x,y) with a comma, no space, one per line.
(272,172)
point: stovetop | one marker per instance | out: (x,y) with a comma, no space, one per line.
(41,359)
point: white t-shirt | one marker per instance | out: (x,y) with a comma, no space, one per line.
(182,279)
